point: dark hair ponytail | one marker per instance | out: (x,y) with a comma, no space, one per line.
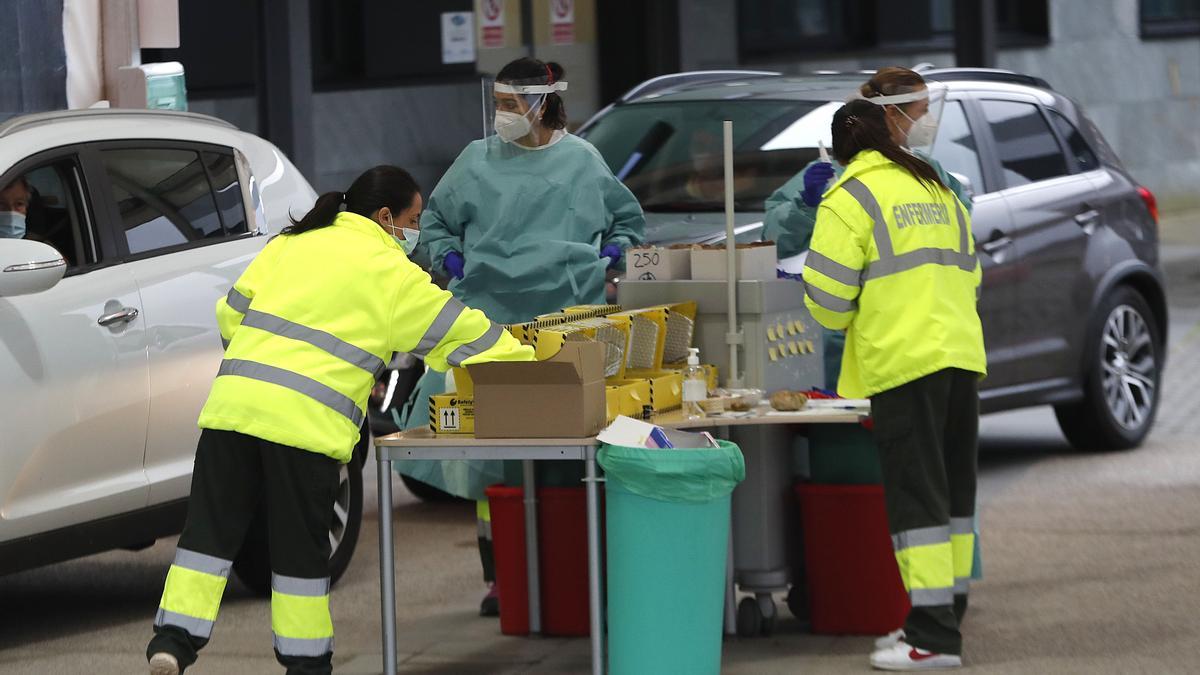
(527,69)
(861,125)
(376,188)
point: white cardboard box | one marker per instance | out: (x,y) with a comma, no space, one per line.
(658,263)
(753,262)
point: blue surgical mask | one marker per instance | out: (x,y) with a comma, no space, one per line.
(409,243)
(12,225)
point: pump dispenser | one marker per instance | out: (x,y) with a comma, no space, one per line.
(695,386)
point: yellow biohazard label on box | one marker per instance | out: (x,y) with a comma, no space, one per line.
(451,414)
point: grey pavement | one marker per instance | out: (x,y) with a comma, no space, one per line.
(1092,565)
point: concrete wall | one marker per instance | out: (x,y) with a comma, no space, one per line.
(1143,94)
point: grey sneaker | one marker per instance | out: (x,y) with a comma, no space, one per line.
(163,663)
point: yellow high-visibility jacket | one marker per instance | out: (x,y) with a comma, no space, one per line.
(313,322)
(893,263)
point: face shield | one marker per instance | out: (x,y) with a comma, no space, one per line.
(512,109)
(920,112)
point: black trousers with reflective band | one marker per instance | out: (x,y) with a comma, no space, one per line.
(233,472)
(928,435)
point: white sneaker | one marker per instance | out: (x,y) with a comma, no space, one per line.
(163,663)
(888,641)
(903,656)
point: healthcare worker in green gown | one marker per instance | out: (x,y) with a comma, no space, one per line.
(912,109)
(525,222)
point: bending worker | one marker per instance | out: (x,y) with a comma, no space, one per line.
(792,209)
(526,221)
(308,328)
(893,263)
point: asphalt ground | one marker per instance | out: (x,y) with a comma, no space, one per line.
(1092,565)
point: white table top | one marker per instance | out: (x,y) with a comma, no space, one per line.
(424,438)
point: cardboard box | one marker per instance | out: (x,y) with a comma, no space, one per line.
(658,263)
(451,414)
(754,261)
(562,397)
(666,387)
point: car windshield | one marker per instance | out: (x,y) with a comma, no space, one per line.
(670,153)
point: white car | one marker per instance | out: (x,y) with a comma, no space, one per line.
(137,222)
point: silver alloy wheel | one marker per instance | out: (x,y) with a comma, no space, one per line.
(341,510)
(1129,369)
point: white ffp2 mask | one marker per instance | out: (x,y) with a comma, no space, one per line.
(922,132)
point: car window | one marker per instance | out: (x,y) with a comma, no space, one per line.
(1081,152)
(955,147)
(164,197)
(223,173)
(670,153)
(1028,150)
(51,199)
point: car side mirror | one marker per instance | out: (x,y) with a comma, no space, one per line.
(968,187)
(28,267)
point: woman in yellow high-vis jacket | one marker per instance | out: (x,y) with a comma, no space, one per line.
(893,263)
(308,328)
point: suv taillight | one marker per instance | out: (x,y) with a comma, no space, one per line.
(1150,202)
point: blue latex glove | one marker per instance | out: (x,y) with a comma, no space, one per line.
(780,274)
(613,253)
(815,179)
(453,262)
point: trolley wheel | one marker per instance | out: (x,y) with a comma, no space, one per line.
(770,614)
(797,602)
(749,618)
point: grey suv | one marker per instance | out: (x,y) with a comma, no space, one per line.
(1073,305)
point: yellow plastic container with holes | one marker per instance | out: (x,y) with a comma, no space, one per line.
(647,337)
(666,387)
(451,413)
(612,331)
(630,397)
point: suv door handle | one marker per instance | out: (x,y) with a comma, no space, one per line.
(1088,217)
(123,315)
(998,242)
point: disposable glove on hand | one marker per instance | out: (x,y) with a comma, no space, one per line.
(613,253)
(453,262)
(780,274)
(815,179)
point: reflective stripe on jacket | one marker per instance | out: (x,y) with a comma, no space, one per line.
(312,322)
(893,263)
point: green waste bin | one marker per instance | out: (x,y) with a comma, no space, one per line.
(667,534)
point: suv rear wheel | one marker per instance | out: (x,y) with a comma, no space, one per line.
(253,563)
(1122,385)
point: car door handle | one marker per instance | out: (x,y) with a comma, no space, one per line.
(1088,217)
(997,243)
(123,315)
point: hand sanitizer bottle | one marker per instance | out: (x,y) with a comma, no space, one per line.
(695,386)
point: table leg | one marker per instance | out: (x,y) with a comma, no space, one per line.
(387,567)
(532,571)
(595,585)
